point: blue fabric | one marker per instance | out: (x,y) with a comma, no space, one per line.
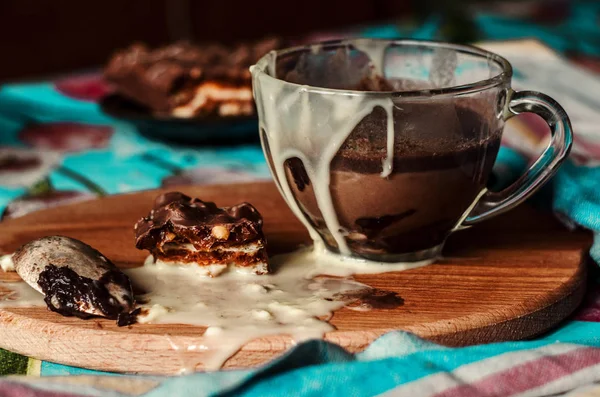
(577,196)
(317,368)
(396,358)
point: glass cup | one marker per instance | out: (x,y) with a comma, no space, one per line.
(382,148)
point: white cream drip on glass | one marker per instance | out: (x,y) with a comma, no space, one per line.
(311,125)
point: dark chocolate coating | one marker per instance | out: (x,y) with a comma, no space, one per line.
(66,291)
(192,220)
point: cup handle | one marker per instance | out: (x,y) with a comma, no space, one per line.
(494,203)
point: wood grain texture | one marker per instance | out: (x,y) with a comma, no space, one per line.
(511,278)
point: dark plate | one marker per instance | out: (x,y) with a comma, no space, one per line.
(199,130)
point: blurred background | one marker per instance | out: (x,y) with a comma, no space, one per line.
(41,38)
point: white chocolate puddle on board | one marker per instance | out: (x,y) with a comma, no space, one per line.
(236,307)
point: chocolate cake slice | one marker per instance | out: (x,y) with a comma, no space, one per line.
(187,80)
(183,231)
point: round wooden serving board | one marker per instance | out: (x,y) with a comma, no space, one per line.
(510,278)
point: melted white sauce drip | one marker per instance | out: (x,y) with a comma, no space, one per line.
(6,263)
(320,261)
(388,162)
(287,117)
(20,294)
(238,308)
(314,143)
(375,51)
(235,307)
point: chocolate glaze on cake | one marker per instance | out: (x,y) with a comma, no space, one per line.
(187,80)
(190,231)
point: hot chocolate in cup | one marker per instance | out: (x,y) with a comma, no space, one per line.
(383,148)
